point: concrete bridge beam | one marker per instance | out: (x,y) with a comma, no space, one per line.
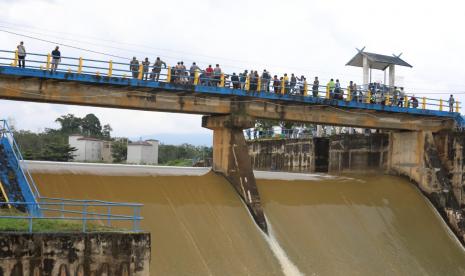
(231,159)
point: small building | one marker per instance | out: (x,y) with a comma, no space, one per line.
(143,152)
(88,149)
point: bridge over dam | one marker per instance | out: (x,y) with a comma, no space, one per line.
(228,111)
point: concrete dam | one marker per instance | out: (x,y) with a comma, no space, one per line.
(357,224)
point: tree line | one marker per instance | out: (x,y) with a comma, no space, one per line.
(52,144)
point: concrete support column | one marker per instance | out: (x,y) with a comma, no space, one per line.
(231,158)
(366,71)
(392,75)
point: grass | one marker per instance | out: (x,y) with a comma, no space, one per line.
(45,225)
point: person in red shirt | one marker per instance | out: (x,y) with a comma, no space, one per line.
(208,74)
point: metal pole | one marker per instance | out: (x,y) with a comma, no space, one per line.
(84,217)
(109,216)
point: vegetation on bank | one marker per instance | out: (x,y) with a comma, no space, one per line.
(44,225)
(52,144)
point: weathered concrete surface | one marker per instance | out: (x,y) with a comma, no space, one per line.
(291,155)
(77,254)
(422,157)
(187,101)
(231,158)
(341,153)
(358,153)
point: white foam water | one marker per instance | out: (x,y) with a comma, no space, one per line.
(288,267)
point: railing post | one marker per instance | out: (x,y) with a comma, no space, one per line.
(109,216)
(49,57)
(134,223)
(84,217)
(79,71)
(222,80)
(368,99)
(283,86)
(405,101)
(259,84)
(247,83)
(196,77)
(349,94)
(327,91)
(15,61)
(110,68)
(423,103)
(30,223)
(141,72)
(168,75)
(388,100)
(305,88)
(457,107)
(440,105)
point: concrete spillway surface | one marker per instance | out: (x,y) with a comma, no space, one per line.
(364,225)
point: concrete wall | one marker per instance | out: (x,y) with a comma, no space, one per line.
(143,153)
(88,150)
(295,155)
(79,254)
(358,153)
(345,153)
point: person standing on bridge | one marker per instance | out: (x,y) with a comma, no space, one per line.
(134,67)
(56,58)
(21,55)
(208,74)
(243,78)
(194,68)
(293,84)
(451,103)
(217,75)
(146,65)
(315,87)
(157,68)
(276,84)
(235,81)
(330,86)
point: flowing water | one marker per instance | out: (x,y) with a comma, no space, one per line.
(364,225)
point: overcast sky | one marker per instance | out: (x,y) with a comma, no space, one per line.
(311,38)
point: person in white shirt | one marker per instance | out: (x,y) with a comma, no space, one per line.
(21,55)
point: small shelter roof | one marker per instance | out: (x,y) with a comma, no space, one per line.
(377,61)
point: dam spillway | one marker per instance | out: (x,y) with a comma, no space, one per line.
(326,225)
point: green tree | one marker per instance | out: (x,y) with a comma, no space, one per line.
(70,124)
(106,132)
(119,150)
(58,152)
(91,126)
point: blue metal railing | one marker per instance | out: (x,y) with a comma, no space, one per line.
(40,207)
(83,211)
(180,75)
(22,167)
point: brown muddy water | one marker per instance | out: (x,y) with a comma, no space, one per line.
(363,225)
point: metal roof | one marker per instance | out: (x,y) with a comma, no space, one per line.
(377,61)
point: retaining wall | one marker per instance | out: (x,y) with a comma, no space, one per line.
(74,254)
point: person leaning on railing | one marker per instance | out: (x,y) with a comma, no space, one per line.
(157,69)
(134,67)
(21,55)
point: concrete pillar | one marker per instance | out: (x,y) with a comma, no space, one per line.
(366,70)
(392,75)
(231,159)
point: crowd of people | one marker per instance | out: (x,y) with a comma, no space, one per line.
(254,82)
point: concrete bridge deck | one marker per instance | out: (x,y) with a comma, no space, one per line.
(35,85)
